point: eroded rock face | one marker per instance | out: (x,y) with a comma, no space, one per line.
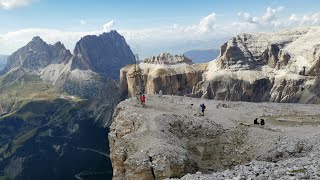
(231,87)
(247,51)
(178,79)
(275,67)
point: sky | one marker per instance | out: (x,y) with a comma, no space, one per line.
(149,27)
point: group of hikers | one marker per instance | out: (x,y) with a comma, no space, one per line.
(255,121)
(202,109)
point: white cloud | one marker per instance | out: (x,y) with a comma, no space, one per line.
(272,20)
(268,18)
(313,19)
(11,41)
(108,26)
(293,17)
(270,15)
(245,16)
(83,22)
(10,4)
(206,25)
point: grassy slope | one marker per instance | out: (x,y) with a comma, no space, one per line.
(14,96)
(35,112)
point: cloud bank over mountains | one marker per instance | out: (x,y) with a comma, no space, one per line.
(207,33)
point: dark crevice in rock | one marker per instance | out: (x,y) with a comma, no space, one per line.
(152,170)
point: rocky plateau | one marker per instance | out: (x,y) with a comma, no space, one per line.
(169,139)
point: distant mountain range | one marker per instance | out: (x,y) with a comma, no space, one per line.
(3,61)
(202,55)
(58,107)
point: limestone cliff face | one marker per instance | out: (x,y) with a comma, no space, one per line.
(178,78)
(275,67)
(231,86)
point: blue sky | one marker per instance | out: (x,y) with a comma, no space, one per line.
(150,27)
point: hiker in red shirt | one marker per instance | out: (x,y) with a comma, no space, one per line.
(143,100)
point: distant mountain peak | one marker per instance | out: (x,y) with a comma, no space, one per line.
(112,32)
(37,39)
(37,54)
(105,54)
(58,44)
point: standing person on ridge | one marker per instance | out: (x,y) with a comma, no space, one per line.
(143,100)
(203,107)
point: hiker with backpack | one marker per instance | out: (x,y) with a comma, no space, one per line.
(203,107)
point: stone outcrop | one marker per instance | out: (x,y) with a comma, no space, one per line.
(169,140)
(177,79)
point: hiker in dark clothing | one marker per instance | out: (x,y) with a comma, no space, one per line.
(203,107)
(262,123)
(255,121)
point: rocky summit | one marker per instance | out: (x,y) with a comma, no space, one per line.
(37,55)
(169,138)
(258,67)
(104,54)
